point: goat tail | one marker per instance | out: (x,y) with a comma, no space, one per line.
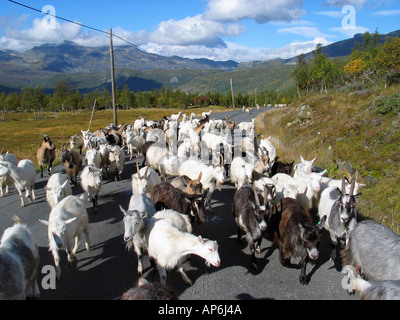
(277,240)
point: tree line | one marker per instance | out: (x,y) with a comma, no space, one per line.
(65,98)
(370,62)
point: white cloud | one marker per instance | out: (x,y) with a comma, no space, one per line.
(193,31)
(342,3)
(350,32)
(330,14)
(386,13)
(259,10)
(38,34)
(308,32)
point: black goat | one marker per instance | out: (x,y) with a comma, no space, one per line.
(165,195)
(251,217)
(298,235)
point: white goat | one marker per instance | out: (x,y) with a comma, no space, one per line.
(169,246)
(6,179)
(24,176)
(67,220)
(140,207)
(169,165)
(303,168)
(241,172)
(154,153)
(117,161)
(93,157)
(19,260)
(268,146)
(247,126)
(144,180)
(57,188)
(134,143)
(91,182)
(175,117)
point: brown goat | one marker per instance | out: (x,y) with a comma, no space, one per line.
(298,235)
(188,185)
(46,154)
(167,196)
(72,162)
(150,291)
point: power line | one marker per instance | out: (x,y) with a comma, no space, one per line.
(74,22)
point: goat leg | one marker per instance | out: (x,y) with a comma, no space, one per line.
(304,279)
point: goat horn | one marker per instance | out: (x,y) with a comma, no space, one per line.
(222,160)
(344,185)
(353,184)
(256,197)
(199,178)
(137,169)
(348,174)
(147,169)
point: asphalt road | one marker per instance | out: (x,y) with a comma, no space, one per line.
(108,269)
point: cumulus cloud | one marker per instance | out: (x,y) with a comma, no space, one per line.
(194,31)
(259,10)
(38,34)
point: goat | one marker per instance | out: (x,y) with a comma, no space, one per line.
(19,260)
(188,185)
(117,161)
(91,182)
(146,290)
(134,143)
(247,126)
(175,117)
(166,195)
(76,142)
(140,207)
(269,148)
(241,172)
(144,180)
(251,217)
(382,290)
(93,157)
(280,167)
(24,176)
(169,245)
(297,235)
(57,188)
(72,162)
(340,209)
(154,153)
(212,176)
(67,220)
(4,179)
(304,167)
(168,165)
(206,115)
(46,154)
(373,249)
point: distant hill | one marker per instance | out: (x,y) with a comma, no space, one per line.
(87,69)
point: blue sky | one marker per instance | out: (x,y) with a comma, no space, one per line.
(240,30)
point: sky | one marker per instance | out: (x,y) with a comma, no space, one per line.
(239,30)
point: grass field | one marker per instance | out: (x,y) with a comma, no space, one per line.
(354,130)
(20,133)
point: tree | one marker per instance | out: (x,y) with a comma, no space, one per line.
(301,74)
(388,59)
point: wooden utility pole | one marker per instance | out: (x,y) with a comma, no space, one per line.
(113,79)
(233,100)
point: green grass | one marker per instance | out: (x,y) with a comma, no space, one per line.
(359,128)
(20,134)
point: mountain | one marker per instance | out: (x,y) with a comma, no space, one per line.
(88,68)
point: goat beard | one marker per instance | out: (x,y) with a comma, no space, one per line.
(219,185)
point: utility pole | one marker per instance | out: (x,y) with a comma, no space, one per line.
(233,100)
(113,79)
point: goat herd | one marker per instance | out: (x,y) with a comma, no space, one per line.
(184,162)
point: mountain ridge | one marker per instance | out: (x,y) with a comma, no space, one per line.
(43,65)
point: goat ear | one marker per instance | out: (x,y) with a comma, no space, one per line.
(322,222)
(46,223)
(205,193)
(357,195)
(200,239)
(301,228)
